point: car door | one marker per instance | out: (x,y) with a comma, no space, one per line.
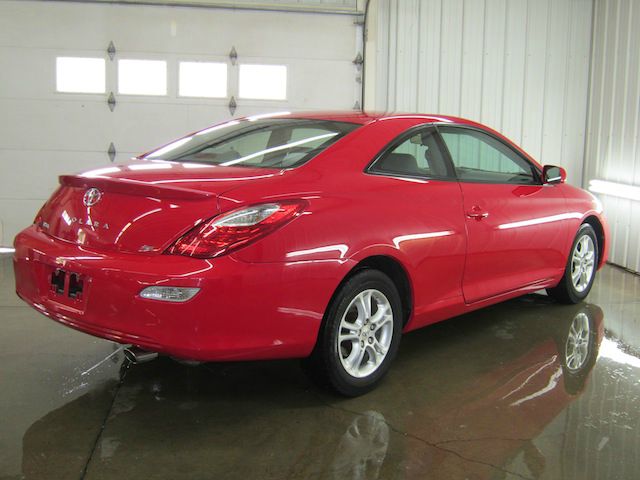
(423,218)
(516,225)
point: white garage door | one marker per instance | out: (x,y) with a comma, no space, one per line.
(171,73)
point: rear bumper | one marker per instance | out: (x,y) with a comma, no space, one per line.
(244,311)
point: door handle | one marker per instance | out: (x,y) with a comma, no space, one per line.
(477,214)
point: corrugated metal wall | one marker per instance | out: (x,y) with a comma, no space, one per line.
(519,66)
(613,150)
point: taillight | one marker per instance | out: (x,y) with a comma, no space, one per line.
(235,229)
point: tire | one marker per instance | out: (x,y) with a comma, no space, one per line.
(582,263)
(353,353)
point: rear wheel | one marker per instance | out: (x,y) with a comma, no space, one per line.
(580,271)
(360,335)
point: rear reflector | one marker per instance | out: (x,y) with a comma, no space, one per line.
(169,294)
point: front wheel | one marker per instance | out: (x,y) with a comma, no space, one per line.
(360,335)
(577,342)
(580,271)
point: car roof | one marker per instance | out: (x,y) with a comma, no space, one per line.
(364,118)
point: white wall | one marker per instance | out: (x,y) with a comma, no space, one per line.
(334,6)
(613,144)
(519,66)
(44,133)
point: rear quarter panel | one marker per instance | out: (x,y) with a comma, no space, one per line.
(353,215)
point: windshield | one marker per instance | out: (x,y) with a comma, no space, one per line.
(268,143)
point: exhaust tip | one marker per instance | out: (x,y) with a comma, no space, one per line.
(138,355)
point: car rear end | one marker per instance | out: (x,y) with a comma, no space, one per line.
(230,317)
(141,254)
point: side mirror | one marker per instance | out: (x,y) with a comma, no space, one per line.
(553,174)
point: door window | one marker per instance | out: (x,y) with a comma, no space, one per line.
(418,155)
(479,157)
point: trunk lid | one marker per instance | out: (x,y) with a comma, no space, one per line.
(139,208)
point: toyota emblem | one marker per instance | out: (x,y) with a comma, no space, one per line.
(91,197)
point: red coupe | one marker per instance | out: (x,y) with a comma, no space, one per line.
(319,236)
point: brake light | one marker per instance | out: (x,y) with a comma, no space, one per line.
(235,229)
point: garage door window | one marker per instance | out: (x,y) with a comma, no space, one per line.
(263,82)
(80,75)
(142,77)
(203,79)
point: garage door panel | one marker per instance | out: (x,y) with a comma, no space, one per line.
(31,74)
(252,33)
(305,76)
(177,30)
(55,124)
(16,215)
(28,23)
(46,133)
(290,34)
(245,110)
(141,126)
(34,173)
(203,116)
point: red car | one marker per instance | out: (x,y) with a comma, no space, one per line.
(318,236)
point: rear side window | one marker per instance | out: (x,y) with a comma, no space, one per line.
(478,157)
(268,143)
(417,154)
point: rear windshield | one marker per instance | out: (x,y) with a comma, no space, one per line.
(267,143)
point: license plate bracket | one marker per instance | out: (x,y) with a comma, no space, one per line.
(67,285)
(76,286)
(58,280)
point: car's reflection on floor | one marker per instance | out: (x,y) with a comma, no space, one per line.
(495,415)
(466,399)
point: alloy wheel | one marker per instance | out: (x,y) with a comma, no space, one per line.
(365,334)
(577,346)
(583,263)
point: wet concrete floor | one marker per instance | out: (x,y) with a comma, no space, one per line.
(503,393)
